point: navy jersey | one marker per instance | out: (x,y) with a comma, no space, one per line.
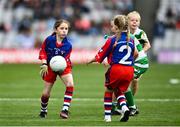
(50,48)
(117,52)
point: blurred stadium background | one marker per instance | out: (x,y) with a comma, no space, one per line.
(24,24)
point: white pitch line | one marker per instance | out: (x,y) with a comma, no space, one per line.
(87,99)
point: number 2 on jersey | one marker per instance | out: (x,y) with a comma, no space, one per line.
(126,56)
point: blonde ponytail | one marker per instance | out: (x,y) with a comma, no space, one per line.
(121,21)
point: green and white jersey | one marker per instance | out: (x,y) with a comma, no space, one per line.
(141,36)
(141,53)
(141,63)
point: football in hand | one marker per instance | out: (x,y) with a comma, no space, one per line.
(58,63)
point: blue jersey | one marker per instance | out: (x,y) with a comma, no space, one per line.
(117,52)
(50,48)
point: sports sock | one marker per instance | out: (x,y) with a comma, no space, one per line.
(44,103)
(130,99)
(107,104)
(122,101)
(67,97)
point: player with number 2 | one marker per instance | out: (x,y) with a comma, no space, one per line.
(120,51)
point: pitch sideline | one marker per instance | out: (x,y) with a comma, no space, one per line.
(87,99)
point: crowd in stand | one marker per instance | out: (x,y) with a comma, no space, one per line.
(24,23)
(167,27)
(168,17)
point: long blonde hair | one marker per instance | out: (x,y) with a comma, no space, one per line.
(121,21)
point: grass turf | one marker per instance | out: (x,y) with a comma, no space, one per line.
(21,87)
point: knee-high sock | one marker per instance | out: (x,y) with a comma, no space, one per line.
(44,103)
(130,98)
(107,103)
(68,97)
(122,101)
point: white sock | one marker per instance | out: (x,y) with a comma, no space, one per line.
(107,117)
(125,108)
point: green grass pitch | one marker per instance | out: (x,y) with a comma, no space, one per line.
(21,87)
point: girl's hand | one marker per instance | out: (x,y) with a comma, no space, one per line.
(43,70)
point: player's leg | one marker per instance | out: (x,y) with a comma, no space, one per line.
(49,80)
(140,67)
(134,86)
(45,98)
(130,102)
(122,88)
(107,104)
(108,93)
(121,99)
(129,98)
(116,109)
(68,81)
(122,103)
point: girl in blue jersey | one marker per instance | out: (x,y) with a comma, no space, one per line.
(54,45)
(120,52)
